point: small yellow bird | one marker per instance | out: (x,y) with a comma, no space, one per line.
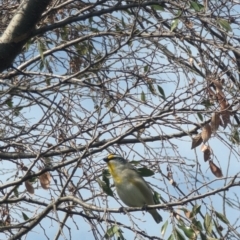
(132,189)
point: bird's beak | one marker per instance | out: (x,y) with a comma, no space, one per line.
(105,160)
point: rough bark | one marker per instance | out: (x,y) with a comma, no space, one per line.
(19,30)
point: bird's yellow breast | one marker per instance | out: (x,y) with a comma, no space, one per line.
(114,173)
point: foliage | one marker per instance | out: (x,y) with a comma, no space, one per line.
(154,81)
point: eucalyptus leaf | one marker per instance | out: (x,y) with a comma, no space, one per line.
(174,24)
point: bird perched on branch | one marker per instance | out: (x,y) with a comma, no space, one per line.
(132,189)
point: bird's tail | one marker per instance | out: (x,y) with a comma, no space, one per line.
(157,217)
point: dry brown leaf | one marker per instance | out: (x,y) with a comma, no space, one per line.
(169,175)
(217,84)
(45,180)
(192,81)
(220,93)
(207,154)
(223,105)
(225,118)
(8,221)
(187,214)
(212,94)
(189,24)
(25,168)
(196,141)
(215,169)
(29,187)
(178,217)
(60,137)
(215,122)
(225,112)
(49,145)
(204,148)
(172,182)
(190,61)
(206,133)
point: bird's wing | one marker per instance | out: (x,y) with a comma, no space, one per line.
(145,189)
(140,182)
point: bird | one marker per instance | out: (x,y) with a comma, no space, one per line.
(132,189)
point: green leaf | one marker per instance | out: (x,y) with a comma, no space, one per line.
(197,225)
(105,183)
(17,110)
(171,237)
(48,81)
(111,231)
(179,13)
(222,217)
(48,162)
(208,224)
(9,102)
(200,116)
(115,232)
(195,210)
(151,88)
(174,24)
(16,193)
(203,236)
(130,43)
(143,97)
(28,44)
(41,66)
(25,217)
(187,231)
(178,235)
(161,91)
(123,23)
(145,172)
(41,49)
(33,179)
(64,33)
(164,228)
(223,23)
(157,7)
(206,103)
(118,29)
(218,227)
(105,187)
(94,29)
(146,68)
(234,137)
(105,176)
(195,6)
